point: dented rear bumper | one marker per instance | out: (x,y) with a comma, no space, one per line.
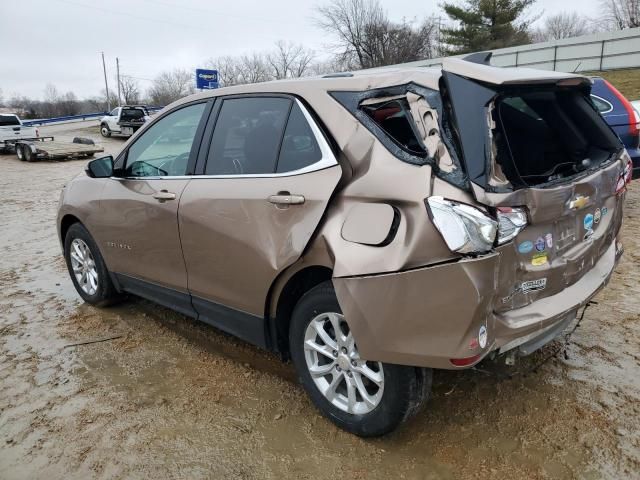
(427,316)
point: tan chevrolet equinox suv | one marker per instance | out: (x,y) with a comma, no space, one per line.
(371,227)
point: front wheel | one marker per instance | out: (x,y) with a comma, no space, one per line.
(104,130)
(366,398)
(87,268)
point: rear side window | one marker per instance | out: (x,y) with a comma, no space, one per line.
(247,136)
(394,117)
(602,105)
(8,120)
(299,145)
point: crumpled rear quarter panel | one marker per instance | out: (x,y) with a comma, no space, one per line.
(420,317)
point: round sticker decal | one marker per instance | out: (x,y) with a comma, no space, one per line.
(540,244)
(588,221)
(596,216)
(482,336)
(525,247)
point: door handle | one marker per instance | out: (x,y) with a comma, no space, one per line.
(286,199)
(164,195)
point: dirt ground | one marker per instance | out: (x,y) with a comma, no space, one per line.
(175,399)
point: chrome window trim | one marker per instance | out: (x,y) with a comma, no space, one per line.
(605,101)
(328,159)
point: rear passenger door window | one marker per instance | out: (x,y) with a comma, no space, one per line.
(299,145)
(247,136)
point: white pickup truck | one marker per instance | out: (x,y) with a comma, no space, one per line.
(11,130)
(124,120)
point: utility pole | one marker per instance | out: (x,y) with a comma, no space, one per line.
(106,85)
(118,74)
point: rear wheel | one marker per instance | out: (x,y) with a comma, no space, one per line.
(87,268)
(29,156)
(104,130)
(367,398)
(20,153)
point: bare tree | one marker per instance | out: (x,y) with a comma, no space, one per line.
(170,86)
(365,37)
(253,68)
(227,70)
(562,25)
(622,13)
(288,60)
(67,104)
(129,89)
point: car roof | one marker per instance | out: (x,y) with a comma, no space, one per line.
(387,77)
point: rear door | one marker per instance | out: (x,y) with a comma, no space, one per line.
(530,140)
(267,176)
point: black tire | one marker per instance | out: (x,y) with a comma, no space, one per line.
(406,389)
(83,141)
(105,293)
(104,130)
(20,153)
(29,156)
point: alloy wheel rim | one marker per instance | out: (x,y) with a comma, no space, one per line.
(347,381)
(84,266)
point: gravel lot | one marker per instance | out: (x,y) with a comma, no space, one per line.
(175,399)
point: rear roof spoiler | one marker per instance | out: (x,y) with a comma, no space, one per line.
(483,58)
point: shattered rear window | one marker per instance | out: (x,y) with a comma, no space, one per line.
(393,117)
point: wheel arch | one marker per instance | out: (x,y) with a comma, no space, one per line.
(285,294)
(65,223)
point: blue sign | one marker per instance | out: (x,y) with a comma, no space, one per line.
(206,79)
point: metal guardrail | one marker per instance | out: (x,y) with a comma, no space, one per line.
(69,118)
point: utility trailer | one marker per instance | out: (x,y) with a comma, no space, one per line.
(46,148)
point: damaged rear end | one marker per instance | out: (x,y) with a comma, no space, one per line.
(526,190)
(552,174)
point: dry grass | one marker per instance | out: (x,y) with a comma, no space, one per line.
(627,81)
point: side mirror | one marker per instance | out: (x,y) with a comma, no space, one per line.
(100,167)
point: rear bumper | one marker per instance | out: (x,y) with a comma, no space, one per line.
(427,316)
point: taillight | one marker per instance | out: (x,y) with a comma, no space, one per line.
(465,229)
(634,123)
(626,175)
(511,221)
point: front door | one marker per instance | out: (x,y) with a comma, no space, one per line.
(138,222)
(268,178)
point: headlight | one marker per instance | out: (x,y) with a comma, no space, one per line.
(464,228)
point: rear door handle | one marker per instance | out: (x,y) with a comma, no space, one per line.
(286,199)
(164,195)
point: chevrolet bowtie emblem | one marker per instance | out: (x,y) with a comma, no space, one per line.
(579,202)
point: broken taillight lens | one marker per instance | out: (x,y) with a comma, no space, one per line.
(465,229)
(626,175)
(511,221)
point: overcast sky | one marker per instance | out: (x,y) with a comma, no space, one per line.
(59,41)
